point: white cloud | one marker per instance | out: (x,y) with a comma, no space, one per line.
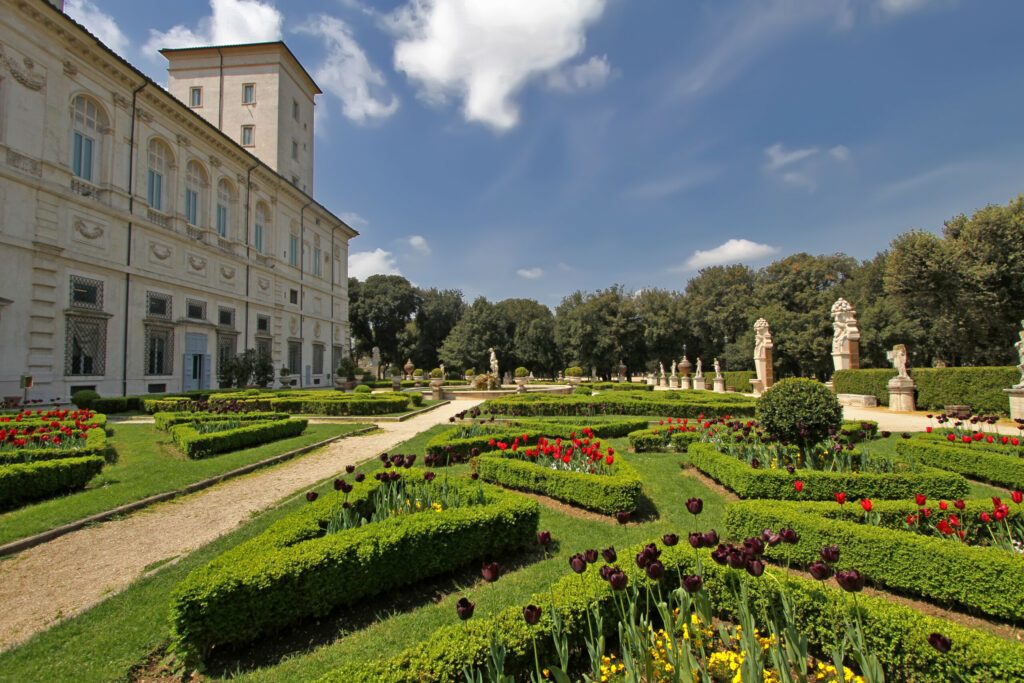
(664,187)
(732,251)
(484,53)
(363,264)
(419,243)
(590,75)
(924,179)
(840,153)
(530,273)
(779,156)
(901,6)
(354,219)
(348,74)
(801,167)
(800,179)
(99,24)
(231,22)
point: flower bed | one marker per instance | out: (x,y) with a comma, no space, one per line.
(203,439)
(898,634)
(676,435)
(25,482)
(973,460)
(983,579)
(689,404)
(750,482)
(164,421)
(55,417)
(59,444)
(574,472)
(295,570)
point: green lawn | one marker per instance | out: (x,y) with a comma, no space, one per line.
(147,464)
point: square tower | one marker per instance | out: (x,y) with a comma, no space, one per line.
(257,94)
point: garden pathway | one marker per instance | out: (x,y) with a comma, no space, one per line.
(56,580)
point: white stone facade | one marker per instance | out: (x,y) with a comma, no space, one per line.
(139,242)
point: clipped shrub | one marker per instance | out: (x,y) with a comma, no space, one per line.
(799,410)
(604,493)
(748,482)
(971,460)
(293,570)
(582,391)
(164,421)
(574,371)
(981,387)
(117,404)
(873,382)
(522,372)
(27,482)
(362,389)
(619,386)
(436,373)
(661,439)
(666,403)
(84,398)
(739,379)
(415,399)
(198,445)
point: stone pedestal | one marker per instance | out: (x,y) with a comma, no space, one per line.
(685,382)
(1016,395)
(719,385)
(673,382)
(756,387)
(858,400)
(664,381)
(652,380)
(901,394)
(436,393)
(699,384)
(520,387)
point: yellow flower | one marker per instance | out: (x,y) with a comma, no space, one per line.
(437,507)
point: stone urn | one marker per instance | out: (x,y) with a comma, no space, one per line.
(340,382)
(409,367)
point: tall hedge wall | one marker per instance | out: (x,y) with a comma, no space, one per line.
(980,388)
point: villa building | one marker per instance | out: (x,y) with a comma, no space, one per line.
(148,234)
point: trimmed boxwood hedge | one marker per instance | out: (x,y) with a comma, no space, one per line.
(737,379)
(95,444)
(196,445)
(617,386)
(325,404)
(973,461)
(981,388)
(665,404)
(24,483)
(164,421)
(748,482)
(604,493)
(294,571)
(660,440)
(984,580)
(897,634)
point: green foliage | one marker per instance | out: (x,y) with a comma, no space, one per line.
(436,373)
(436,315)
(666,403)
(25,482)
(601,328)
(748,482)
(739,379)
(313,402)
(522,372)
(618,386)
(294,570)
(198,445)
(379,309)
(980,388)
(117,404)
(84,398)
(972,461)
(604,493)
(865,382)
(415,399)
(798,410)
(985,580)
(898,634)
(164,421)
(660,440)
(362,389)
(582,390)
(574,371)
(346,367)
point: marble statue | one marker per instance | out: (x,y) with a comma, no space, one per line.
(494,363)
(674,366)
(1020,357)
(375,362)
(898,358)
(700,368)
(662,366)
(443,375)
(718,369)
(763,346)
(845,336)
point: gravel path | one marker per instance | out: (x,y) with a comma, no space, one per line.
(54,581)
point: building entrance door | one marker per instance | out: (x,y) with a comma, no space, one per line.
(196,362)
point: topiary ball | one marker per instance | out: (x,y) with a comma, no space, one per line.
(84,398)
(362,389)
(799,411)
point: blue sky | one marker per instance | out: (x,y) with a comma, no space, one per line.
(535,147)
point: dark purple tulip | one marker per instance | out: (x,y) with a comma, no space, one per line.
(670,540)
(590,555)
(609,555)
(696,539)
(606,571)
(429,476)
(618,580)
(311,496)
(474,476)
(830,553)
(755,463)
(578,563)
(766,534)
(544,538)
(491,571)
(774,540)
(464,608)
(736,559)
(710,538)
(383,457)
(410,460)
(695,506)
(851,581)
(790,469)
(755,568)
(906,435)
(720,555)
(338,484)
(692,583)
(820,570)
(531,613)
(789,536)
(754,546)
(940,642)
(622,516)
(350,468)
(655,570)
(474,452)
(360,477)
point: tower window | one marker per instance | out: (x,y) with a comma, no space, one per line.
(248,136)
(195,97)
(249,93)
(295,109)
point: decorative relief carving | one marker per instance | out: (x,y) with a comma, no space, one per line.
(143,115)
(183,141)
(316,329)
(214,161)
(121,101)
(196,263)
(24,163)
(227,272)
(25,73)
(263,283)
(88,229)
(240,178)
(159,251)
(69,68)
(293,325)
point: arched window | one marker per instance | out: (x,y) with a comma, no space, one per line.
(88,124)
(160,161)
(259,227)
(225,198)
(195,185)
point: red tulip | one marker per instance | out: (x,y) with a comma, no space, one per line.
(1017,497)
(866,504)
(943,505)
(798,485)
(840,498)
(920,498)
(959,504)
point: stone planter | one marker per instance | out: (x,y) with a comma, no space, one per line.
(574,380)
(340,382)
(359,379)
(1016,395)
(289,380)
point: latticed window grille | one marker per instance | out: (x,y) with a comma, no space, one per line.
(295,357)
(85,346)
(226,344)
(318,359)
(159,351)
(86,293)
(195,309)
(158,305)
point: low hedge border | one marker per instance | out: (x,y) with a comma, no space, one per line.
(95,444)
(24,483)
(604,493)
(897,634)
(747,482)
(164,421)
(617,386)
(197,446)
(360,404)
(984,580)
(623,403)
(974,463)
(981,388)
(293,571)
(660,440)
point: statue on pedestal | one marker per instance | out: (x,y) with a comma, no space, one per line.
(763,346)
(1020,357)
(898,358)
(674,365)
(494,363)
(700,368)
(718,369)
(846,336)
